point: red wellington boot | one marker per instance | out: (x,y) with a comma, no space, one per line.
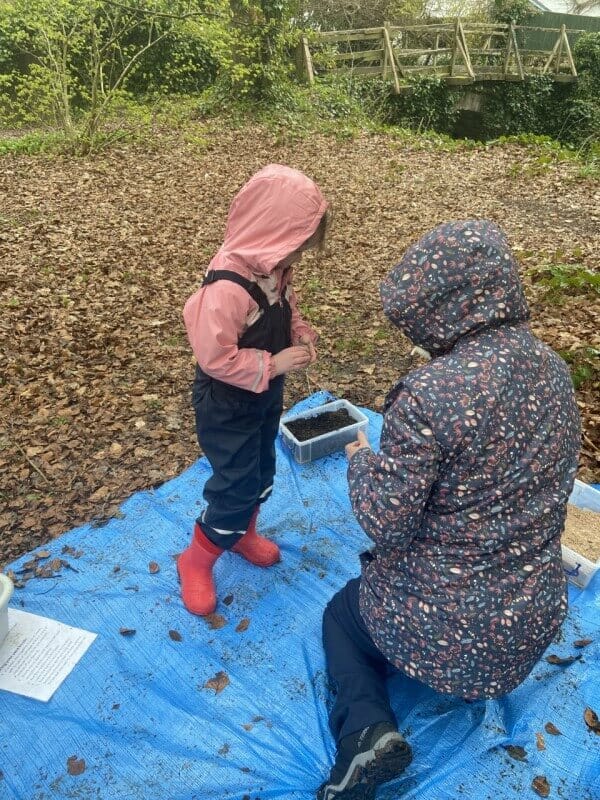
(256,549)
(194,566)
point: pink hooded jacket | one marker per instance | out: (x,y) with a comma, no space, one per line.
(270,217)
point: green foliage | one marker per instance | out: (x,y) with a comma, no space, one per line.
(66,64)
(584,365)
(186,61)
(584,112)
(32,144)
(343,15)
(587,55)
(511,10)
(564,280)
(331,106)
(513,108)
(570,279)
(426,104)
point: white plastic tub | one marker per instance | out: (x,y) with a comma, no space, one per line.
(327,443)
(6,590)
(579,570)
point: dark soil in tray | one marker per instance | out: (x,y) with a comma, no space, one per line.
(326,422)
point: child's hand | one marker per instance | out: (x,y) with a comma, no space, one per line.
(307,342)
(354,447)
(291,358)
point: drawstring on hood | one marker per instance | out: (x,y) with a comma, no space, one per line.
(456,280)
(270,217)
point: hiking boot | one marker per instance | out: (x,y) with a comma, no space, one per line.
(365,759)
(256,549)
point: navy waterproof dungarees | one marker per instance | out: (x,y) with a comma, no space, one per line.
(236,428)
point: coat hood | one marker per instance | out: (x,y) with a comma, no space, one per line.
(458,279)
(270,217)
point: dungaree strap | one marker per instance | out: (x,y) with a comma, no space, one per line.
(253,289)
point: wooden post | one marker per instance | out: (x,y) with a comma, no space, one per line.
(570,56)
(513,36)
(300,67)
(308,61)
(437,47)
(390,56)
(563,28)
(455,49)
(550,58)
(465,50)
(509,47)
(385,62)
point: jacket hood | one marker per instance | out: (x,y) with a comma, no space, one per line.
(458,279)
(270,217)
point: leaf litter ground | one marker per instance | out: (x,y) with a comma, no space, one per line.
(99,255)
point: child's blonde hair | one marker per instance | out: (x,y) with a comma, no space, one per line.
(317,238)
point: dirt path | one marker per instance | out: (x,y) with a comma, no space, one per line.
(98,256)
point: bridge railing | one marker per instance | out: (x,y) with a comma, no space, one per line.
(459,52)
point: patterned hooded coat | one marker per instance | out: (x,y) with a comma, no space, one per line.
(466,498)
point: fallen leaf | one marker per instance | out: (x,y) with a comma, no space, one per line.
(539,741)
(215,621)
(175,636)
(591,720)
(99,494)
(550,728)
(541,786)
(561,662)
(516,752)
(42,554)
(247,726)
(223,750)
(67,550)
(218,682)
(75,766)
(127,631)
(582,642)
(116,568)
(228,600)
(116,706)
(242,625)
(153,568)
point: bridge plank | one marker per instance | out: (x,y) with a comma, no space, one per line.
(356,55)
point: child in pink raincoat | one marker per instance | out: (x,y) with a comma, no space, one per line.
(246,333)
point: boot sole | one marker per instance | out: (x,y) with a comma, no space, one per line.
(384,762)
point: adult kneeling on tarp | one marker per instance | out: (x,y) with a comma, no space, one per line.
(465,502)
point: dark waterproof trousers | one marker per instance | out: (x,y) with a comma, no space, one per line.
(357,669)
(237,436)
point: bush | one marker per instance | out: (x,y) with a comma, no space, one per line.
(511,10)
(427,104)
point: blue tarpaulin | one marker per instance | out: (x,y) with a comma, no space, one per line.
(139,712)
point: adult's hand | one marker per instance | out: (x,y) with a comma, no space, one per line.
(361,443)
(290,359)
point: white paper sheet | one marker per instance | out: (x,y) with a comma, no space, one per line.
(39,653)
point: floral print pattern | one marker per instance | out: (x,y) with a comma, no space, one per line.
(466,498)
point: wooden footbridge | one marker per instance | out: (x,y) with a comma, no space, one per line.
(458,52)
